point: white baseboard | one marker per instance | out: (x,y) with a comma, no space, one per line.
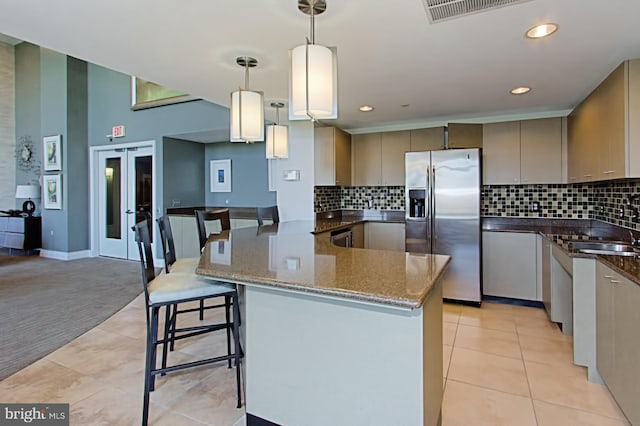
(61,255)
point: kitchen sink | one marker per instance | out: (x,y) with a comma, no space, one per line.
(615,248)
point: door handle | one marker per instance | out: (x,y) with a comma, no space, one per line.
(129,212)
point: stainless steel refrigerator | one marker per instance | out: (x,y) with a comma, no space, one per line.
(443,215)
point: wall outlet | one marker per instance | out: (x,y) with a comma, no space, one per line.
(535,206)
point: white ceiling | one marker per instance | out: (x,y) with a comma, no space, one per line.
(388,52)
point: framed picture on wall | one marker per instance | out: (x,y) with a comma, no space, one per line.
(220,175)
(52,188)
(52,149)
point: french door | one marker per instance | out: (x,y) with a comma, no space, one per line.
(125,197)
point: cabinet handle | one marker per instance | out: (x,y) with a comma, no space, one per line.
(572,177)
(588,175)
(608,276)
(615,282)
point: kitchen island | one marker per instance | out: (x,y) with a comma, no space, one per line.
(333,335)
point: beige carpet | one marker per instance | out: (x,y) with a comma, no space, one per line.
(46,303)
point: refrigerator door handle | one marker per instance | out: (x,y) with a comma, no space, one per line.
(433,205)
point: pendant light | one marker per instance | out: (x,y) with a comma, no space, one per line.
(277,136)
(247,109)
(313,77)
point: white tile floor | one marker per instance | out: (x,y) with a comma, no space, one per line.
(503,365)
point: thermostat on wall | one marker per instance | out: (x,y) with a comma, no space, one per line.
(291,175)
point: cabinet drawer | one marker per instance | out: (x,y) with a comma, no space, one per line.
(16,224)
(13,240)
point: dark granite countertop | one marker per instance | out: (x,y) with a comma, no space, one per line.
(562,232)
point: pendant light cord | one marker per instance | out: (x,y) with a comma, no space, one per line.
(246,75)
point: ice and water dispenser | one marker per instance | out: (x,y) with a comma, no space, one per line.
(417,200)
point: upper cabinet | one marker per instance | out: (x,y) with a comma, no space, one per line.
(464,135)
(394,146)
(332,156)
(523,152)
(378,158)
(541,151)
(427,139)
(367,159)
(604,129)
(501,153)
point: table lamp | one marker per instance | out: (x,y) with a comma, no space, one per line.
(28,192)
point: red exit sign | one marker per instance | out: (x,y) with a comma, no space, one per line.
(117,131)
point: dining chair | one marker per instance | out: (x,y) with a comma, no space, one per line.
(166,290)
(267,213)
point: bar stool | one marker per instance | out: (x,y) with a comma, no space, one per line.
(166,290)
(267,213)
(203,216)
(176,266)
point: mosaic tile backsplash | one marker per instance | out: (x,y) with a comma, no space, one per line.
(553,201)
(329,198)
(601,200)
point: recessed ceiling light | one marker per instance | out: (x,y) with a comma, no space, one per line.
(542,30)
(520,90)
(366,108)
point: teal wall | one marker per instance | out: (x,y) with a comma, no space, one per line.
(249,175)
(183,180)
(56,94)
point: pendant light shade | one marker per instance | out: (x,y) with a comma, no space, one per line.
(313,77)
(277,145)
(247,109)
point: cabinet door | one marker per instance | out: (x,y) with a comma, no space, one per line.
(509,265)
(541,150)
(465,135)
(501,153)
(394,146)
(604,323)
(626,347)
(610,133)
(342,157)
(358,235)
(427,139)
(323,156)
(366,150)
(385,236)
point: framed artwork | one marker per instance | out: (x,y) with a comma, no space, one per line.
(146,94)
(52,149)
(52,188)
(220,175)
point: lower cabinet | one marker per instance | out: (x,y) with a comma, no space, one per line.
(21,232)
(618,338)
(509,264)
(358,235)
(384,236)
(185,233)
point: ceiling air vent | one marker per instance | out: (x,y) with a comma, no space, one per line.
(440,10)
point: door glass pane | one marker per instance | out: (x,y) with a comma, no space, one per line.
(113,182)
(143,190)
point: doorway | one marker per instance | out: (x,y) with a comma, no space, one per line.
(123,195)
